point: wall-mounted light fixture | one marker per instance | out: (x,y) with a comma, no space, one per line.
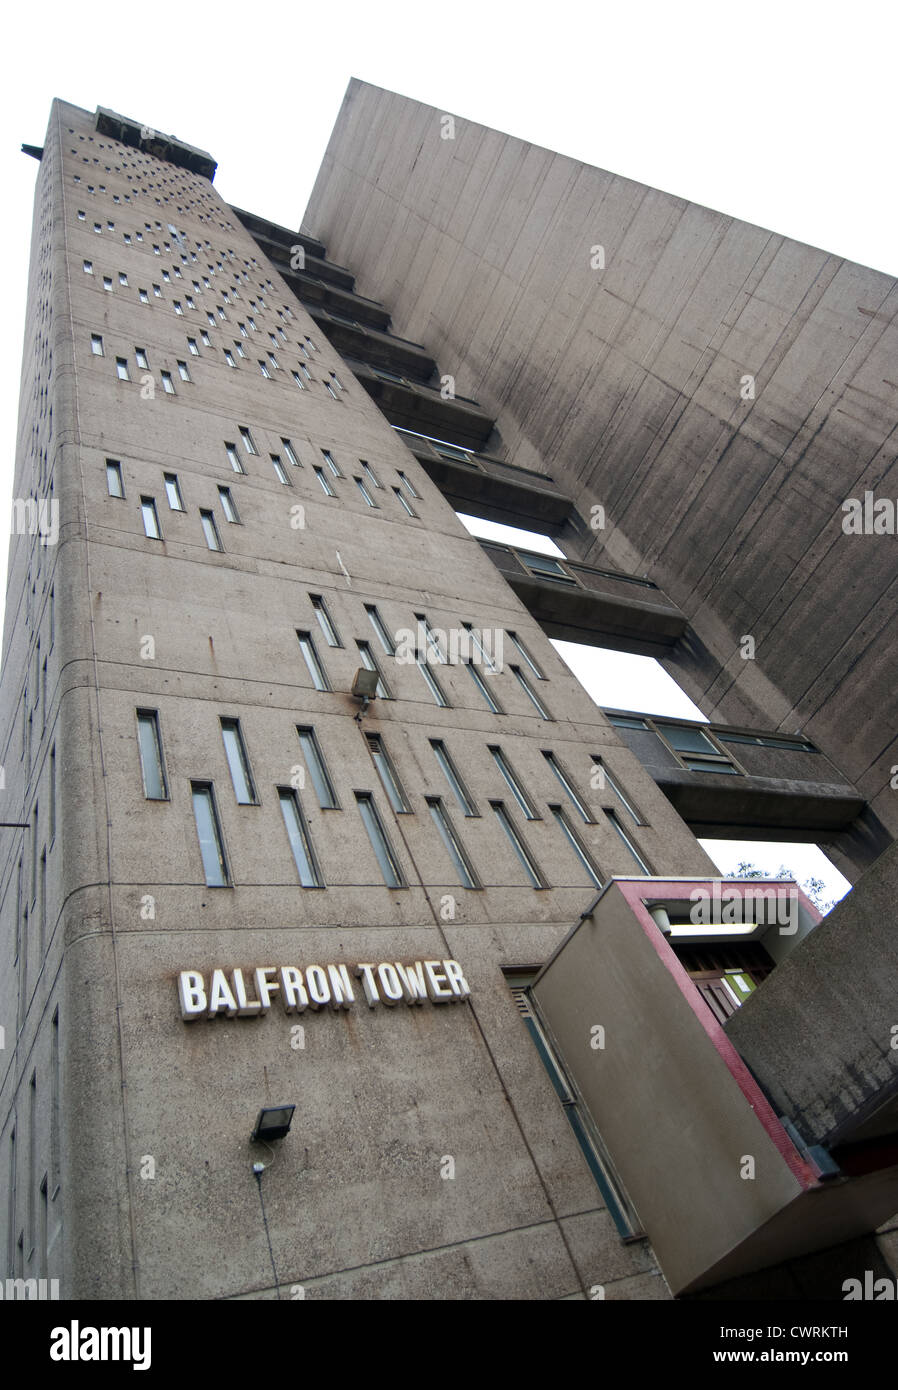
(364,688)
(273,1123)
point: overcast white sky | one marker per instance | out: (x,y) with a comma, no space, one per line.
(780,113)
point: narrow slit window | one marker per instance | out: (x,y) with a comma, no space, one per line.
(579,849)
(453,844)
(310,656)
(300,839)
(450,772)
(280,471)
(377,623)
(369,500)
(331,463)
(234,458)
(168,385)
(383,850)
(404,502)
(409,487)
(114,483)
(228,506)
(513,783)
(575,798)
(141,359)
(631,846)
(603,778)
(484,689)
(431,682)
(389,777)
(370,474)
(325,621)
(238,762)
(210,531)
(530,693)
(249,443)
(324,787)
(528,659)
(290,453)
(150,518)
(325,485)
(96,344)
(152,765)
(526,858)
(173,492)
(208,829)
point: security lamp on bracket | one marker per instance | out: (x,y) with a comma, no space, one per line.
(364,688)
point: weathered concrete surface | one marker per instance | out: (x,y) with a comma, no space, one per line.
(630,385)
(820,1036)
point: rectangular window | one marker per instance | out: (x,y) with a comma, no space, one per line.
(150,519)
(173,492)
(229,359)
(370,474)
(450,772)
(87,267)
(238,762)
(249,443)
(370,663)
(234,458)
(177,307)
(526,656)
(227,505)
(143,296)
(574,841)
(142,360)
(454,847)
(107,283)
(517,844)
(238,348)
(96,344)
(529,692)
(183,372)
(152,765)
(430,637)
(604,779)
(192,347)
(168,385)
(208,829)
(576,800)
(121,369)
(122,278)
(319,474)
(513,783)
(316,670)
(369,500)
(210,531)
(545,567)
(642,865)
(404,503)
(204,338)
(431,682)
(114,483)
(298,379)
(388,775)
(290,453)
(407,484)
(482,686)
(157,291)
(329,460)
(300,840)
(52,825)
(274,362)
(318,772)
(324,621)
(280,471)
(386,858)
(384,637)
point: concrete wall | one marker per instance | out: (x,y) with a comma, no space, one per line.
(626,384)
(356,1203)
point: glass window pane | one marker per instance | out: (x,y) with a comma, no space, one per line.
(518,845)
(513,783)
(238,762)
(386,640)
(209,833)
(453,845)
(300,843)
(389,865)
(316,671)
(568,832)
(577,801)
(388,775)
(452,777)
(324,621)
(531,694)
(317,771)
(687,740)
(151,756)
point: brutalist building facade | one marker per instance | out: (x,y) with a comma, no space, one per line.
(310,829)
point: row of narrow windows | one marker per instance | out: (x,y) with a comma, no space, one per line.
(211,841)
(28,1243)
(302,377)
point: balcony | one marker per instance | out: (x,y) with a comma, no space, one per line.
(578,603)
(490,487)
(277,238)
(359,340)
(421,409)
(733,783)
(668,1091)
(316,293)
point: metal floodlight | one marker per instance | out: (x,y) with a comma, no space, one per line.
(364,685)
(273,1123)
